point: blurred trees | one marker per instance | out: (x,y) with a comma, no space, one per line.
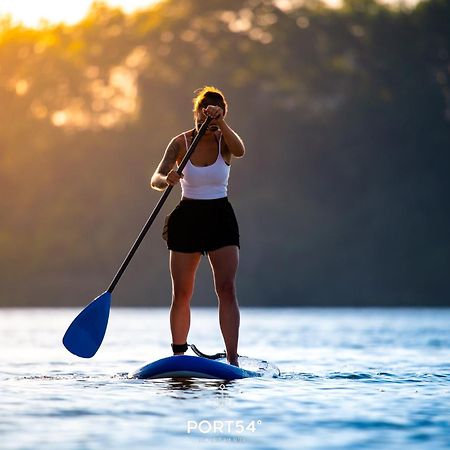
(346,117)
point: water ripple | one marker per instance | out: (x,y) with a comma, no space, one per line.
(350,380)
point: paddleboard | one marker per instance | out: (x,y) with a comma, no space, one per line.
(186,366)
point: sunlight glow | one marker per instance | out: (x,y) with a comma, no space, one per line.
(33,13)
(113,102)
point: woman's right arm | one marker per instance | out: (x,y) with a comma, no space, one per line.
(164,174)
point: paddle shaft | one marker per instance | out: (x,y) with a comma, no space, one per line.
(158,207)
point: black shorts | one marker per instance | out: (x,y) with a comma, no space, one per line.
(201,226)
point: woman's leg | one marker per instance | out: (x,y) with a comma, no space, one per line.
(183,267)
(224,263)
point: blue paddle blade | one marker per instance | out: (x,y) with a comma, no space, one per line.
(85,334)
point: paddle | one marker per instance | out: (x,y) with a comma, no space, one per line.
(85,334)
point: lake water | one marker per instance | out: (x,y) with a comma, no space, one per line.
(350,379)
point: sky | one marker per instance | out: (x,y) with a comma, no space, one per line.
(31,12)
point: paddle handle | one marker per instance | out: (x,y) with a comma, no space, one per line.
(158,207)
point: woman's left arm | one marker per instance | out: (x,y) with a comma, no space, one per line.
(232,139)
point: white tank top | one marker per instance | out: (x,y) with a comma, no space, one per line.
(207,182)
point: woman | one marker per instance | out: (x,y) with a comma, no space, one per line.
(204,221)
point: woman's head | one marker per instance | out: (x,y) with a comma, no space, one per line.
(208,95)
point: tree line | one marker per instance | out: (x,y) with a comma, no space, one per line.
(345,113)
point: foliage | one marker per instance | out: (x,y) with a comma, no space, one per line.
(345,114)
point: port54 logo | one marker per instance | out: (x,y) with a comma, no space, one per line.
(222,426)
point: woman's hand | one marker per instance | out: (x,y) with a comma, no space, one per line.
(216,112)
(173,178)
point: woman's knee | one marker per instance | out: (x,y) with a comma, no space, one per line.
(182,295)
(226,290)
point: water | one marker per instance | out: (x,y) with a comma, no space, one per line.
(350,379)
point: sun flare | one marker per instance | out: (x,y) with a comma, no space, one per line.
(33,13)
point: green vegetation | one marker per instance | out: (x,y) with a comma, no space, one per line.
(342,197)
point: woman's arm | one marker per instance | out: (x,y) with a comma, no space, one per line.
(232,139)
(164,174)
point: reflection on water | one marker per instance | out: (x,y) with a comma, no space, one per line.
(349,379)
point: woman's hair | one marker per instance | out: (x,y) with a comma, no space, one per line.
(209,95)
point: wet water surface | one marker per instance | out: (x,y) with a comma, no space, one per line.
(350,379)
